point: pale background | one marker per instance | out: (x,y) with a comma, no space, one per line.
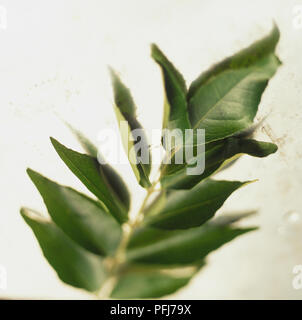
(54,57)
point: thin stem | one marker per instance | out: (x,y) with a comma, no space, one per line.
(119,258)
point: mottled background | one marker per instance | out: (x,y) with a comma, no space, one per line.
(53,66)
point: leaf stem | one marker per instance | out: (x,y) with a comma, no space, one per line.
(119,258)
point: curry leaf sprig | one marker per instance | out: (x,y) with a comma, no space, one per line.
(93,244)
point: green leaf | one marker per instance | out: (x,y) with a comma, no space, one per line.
(217,155)
(224,100)
(239,143)
(255,148)
(135,146)
(179,247)
(175,106)
(113,178)
(74,265)
(97,178)
(147,285)
(84,220)
(191,208)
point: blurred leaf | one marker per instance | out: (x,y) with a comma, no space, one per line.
(191,208)
(81,218)
(224,100)
(147,285)
(96,178)
(74,265)
(175,106)
(217,155)
(256,148)
(179,247)
(230,218)
(86,144)
(156,204)
(126,111)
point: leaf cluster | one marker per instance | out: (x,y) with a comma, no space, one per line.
(90,241)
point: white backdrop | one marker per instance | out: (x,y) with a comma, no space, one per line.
(53,66)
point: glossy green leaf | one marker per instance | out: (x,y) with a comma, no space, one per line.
(191,208)
(84,220)
(147,285)
(217,154)
(74,265)
(175,106)
(136,147)
(224,100)
(179,247)
(97,178)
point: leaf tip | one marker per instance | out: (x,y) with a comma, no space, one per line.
(249,182)
(30,172)
(31,215)
(114,76)
(111,71)
(35,176)
(274,148)
(157,54)
(255,228)
(154,49)
(56,144)
(23,212)
(275,31)
(53,141)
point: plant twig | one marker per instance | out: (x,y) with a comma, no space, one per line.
(120,255)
